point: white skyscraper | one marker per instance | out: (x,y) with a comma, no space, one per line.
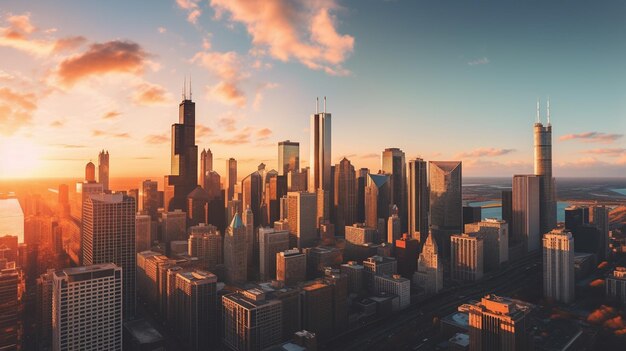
(558,266)
(87,308)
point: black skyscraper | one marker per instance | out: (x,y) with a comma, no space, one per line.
(184,174)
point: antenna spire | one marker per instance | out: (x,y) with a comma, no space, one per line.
(185,88)
(548,108)
(324,104)
(190,87)
(317,105)
(538,116)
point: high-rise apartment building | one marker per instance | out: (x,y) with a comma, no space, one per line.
(103,169)
(172,226)
(251,321)
(394,284)
(317,309)
(206,167)
(507,207)
(394,164)
(109,237)
(406,252)
(495,235)
(394,226)
(354,272)
(466,257)
(526,224)
(183,176)
(498,324)
(359,234)
(44,309)
(429,274)
(291,267)
(252,188)
(206,243)
(271,242)
(320,146)
(418,200)
(616,285)
(10,325)
(87,308)
(149,198)
(446,207)
(378,265)
(558,266)
(288,157)
(231,178)
(196,309)
(235,256)
(302,213)
(143,232)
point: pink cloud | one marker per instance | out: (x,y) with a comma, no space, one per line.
(592,137)
(111,115)
(304,31)
(16,110)
(202,131)
(484,152)
(193,11)
(103,133)
(19,35)
(157,138)
(227,67)
(609,152)
(150,94)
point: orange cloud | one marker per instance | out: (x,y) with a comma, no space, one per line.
(228,93)
(150,94)
(484,152)
(609,151)
(103,58)
(111,115)
(592,137)
(304,31)
(18,35)
(202,131)
(57,124)
(16,110)
(263,133)
(227,67)
(157,138)
(99,133)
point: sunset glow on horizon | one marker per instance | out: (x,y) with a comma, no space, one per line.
(76,78)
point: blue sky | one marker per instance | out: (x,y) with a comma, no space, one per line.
(439,79)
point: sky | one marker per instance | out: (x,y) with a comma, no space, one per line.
(442,80)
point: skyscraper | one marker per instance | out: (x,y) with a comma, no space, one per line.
(206,166)
(10,297)
(558,266)
(361,183)
(197,206)
(143,232)
(344,199)
(543,169)
(466,257)
(429,275)
(109,237)
(251,321)
(394,226)
(235,257)
(526,228)
(291,267)
(418,200)
(271,242)
(206,243)
(103,169)
(320,145)
(302,212)
(446,206)
(87,308)
(252,188)
(251,246)
(288,157)
(495,234)
(231,178)
(149,198)
(394,164)
(498,324)
(184,170)
(196,309)
(275,189)
(377,199)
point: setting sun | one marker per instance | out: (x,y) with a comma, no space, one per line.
(19,157)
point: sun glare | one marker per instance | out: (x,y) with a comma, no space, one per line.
(18,157)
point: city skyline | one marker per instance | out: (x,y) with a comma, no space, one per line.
(240,78)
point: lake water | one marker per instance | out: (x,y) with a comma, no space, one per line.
(496,212)
(620,191)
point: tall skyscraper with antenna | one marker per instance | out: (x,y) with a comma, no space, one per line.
(543,169)
(319,173)
(184,159)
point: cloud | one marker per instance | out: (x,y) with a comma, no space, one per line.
(18,35)
(300,30)
(237,139)
(484,152)
(57,123)
(99,133)
(258,96)
(592,137)
(263,133)
(479,61)
(103,58)
(202,131)
(162,30)
(69,146)
(157,138)
(228,93)
(372,155)
(150,94)
(228,123)
(227,67)
(614,152)
(16,110)
(193,11)
(111,114)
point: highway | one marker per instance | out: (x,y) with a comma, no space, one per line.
(412,328)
